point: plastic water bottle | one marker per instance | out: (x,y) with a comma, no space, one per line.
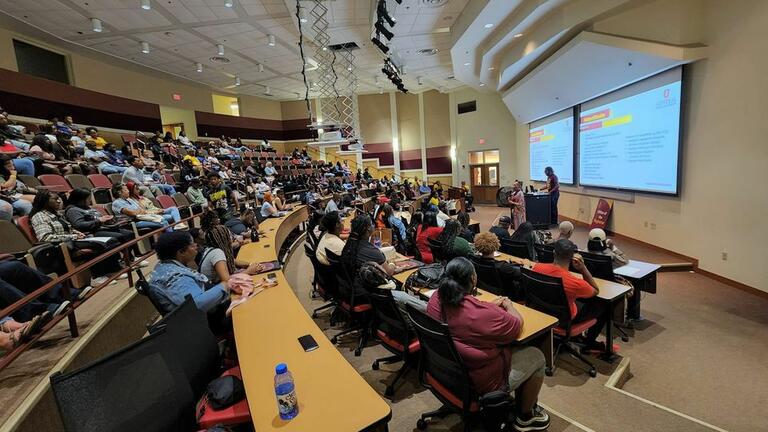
(377,240)
(285,391)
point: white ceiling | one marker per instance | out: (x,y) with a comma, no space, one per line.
(183,32)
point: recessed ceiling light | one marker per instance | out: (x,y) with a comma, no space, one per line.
(198,67)
(303,14)
(418,81)
(229,3)
(517,35)
(145,47)
(261,67)
(490,68)
(467,64)
(489,25)
(220,49)
(271,40)
(267,90)
(96,25)
(237,80)
(482,84)
(145,5)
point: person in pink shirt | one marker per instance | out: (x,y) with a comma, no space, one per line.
(483,333)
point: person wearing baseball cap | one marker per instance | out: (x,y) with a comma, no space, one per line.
(580,292)
(599,244)
(501,229)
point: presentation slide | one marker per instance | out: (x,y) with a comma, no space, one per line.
(551,144)
(632,143)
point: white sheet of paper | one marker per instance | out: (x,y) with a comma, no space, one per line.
(429,293)
(497,254)
(626,270)
(98,239)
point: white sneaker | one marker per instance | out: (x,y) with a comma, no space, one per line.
(181,227)
(144,263)
(122,276)
(84,293)
(62,307)
(100,281)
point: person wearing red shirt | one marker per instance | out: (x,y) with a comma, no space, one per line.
(577,288)
(427,230)
(483,333)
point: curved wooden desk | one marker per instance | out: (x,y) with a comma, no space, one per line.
(332,394)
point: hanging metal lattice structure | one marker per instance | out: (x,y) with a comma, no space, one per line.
(336,82)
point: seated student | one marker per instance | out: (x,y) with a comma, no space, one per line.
(268,209)
(333,203)
(598,243)
(442,214)
(16,193)
(501,229)
(50,226)
(135,174)
(434,199)
(359,249)
(452,245)
(94,155)
(244,226)
(374,276)
(195,193)
(486,244)
(217,259)
(93,135)
(171,215)
(330,237)
(90,221)
(269,172)
(125,205)
(465,233)
(221,197)
(427,230)
(394,222)
(174,278)
(577,288)
(279,201)
(483,333)
(526,234)
(565,229)
(17,280)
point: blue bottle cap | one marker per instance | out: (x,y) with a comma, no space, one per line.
(281,368)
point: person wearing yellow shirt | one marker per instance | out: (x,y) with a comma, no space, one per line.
(94,136)
(193,160)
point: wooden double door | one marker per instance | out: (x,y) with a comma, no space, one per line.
(484,182)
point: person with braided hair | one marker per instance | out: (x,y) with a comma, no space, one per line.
(451,244)
(359,249)
(217,259)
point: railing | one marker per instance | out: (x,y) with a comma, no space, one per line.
(374,171)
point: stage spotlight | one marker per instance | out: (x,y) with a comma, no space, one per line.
(383,48)
(382,13)
(383,30)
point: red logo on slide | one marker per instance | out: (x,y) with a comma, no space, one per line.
(666,93)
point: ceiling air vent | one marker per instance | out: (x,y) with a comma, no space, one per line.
(427,52)
(219,60)
(434,3)
(348,46)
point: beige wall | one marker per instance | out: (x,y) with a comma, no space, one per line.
(291,110)
(437,119)
(493,123)
(409,127)
(222,104)
(171,115)
(252,106)
(375,118)
(722,202)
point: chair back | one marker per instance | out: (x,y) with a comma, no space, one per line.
(515,248)
(25,225)
(55,182)
(546,294)
(437,250)
(105,395)
(192,341)
(344,279)
(115,178)
(29,180)
(325,278)
(181,200)
(440,362)
(488,277)
(14,241)
(389,319)
(599,265)
(169,179)
(165,201)
(100,181)
(544,253)
(79,181)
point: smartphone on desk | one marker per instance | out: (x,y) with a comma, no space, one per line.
(271,276)
(308,343)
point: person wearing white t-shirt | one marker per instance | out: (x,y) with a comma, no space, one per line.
(330,239)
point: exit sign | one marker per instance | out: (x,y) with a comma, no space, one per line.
(481,141)
(176,97)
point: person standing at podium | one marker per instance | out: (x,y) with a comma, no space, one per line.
(553,187)
(517,202)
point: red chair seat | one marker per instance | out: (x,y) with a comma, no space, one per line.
(452,398)
(358,308)
(577,328)
(207,417)
(412,347)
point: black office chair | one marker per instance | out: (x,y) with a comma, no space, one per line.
(139,388)
(193,344)
(324,283)
(546,294)
(142,287)
(515,248)
(443,372)
(545,253)
(356,309)
(601,266)
(488,277)
(394,333)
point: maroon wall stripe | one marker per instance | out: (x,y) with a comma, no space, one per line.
(229,121)
(410,164)
(440,165)
(437,152)
(215,125)
(410,154)
(385,159)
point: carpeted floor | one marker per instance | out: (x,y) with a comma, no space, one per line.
(700,355)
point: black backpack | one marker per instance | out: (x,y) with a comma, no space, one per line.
(427,277)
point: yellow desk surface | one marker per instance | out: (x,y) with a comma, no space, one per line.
(534,322)
(332,395)
(608,290)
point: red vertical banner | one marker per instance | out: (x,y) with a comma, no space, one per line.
(602,213)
